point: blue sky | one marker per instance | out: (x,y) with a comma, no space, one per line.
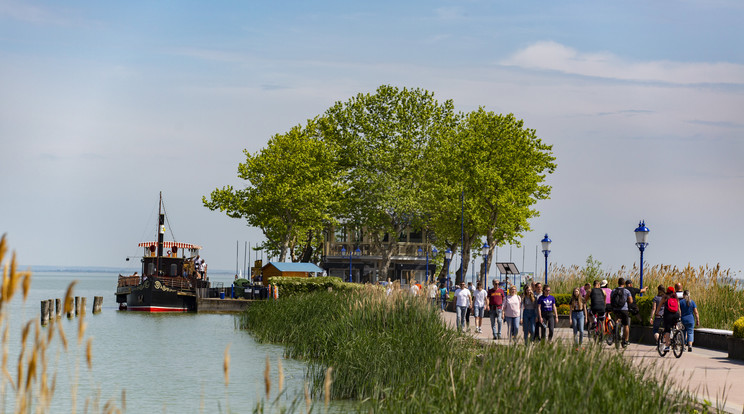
(102,105)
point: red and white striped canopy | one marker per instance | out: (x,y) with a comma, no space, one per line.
(169,245)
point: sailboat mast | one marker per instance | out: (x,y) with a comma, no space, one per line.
(161,232)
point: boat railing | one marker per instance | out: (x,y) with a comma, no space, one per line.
(125,281)
(178,283)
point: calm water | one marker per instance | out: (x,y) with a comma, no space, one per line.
(169,363)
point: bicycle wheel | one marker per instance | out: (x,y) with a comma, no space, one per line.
(678,344)
(609,333)
(618,334)
(660,347)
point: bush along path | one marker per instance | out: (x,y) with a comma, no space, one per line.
(395,354)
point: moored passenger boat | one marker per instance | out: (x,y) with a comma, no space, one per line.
(169,282)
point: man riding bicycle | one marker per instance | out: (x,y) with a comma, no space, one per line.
(596,297)
(620,298)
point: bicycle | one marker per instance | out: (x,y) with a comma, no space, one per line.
(677,342)
(603,329)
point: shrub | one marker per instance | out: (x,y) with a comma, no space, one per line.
(739,328)
(289,286)
(563,309)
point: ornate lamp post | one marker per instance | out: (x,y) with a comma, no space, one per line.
(641,234)
(484,252)
(357,252)
(448,259)
(546,251)
(434,252)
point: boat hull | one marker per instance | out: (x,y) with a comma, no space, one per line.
(152,295)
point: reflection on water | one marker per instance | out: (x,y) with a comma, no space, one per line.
(164,362)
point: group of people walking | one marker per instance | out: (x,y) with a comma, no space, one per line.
(536,310)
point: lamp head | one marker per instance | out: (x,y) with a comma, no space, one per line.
(546,243)
(484,249)
(434,251)
(641,233)
(448,254)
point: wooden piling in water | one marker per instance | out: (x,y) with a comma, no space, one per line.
(58,307)
(77,305)
(44,312)
(69,305)
(50,310)
(83,301)
(97,303)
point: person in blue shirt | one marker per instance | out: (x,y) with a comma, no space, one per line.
(547,313)
(689,318)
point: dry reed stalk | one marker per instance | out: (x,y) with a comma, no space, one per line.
(327,386)
(281,374)
(89,353)
(267,378)
(69,297)
(226,365)
(308,401)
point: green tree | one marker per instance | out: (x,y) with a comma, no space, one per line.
(386,136)
(499,168)
(292,191)
(592,270)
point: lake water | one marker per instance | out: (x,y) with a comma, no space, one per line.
(170,363)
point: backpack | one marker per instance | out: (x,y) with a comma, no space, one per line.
(617,298)
(672,305)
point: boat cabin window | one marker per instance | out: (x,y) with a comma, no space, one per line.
(173,269)
(150,269)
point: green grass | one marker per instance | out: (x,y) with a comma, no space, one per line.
(394,354)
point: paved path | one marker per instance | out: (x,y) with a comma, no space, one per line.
(707,373)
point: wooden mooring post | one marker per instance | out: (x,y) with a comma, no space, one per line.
(77,305)
(83,300)
(44,312)
(97,303)
(58,307)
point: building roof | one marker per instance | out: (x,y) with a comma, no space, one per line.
(295,267)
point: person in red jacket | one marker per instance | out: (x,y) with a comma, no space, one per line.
(495,303)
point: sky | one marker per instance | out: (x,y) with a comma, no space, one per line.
(105,104)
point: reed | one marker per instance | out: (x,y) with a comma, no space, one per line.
(717,293)
(394,354)
(30,386)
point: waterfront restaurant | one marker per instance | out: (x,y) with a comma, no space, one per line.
(347,250)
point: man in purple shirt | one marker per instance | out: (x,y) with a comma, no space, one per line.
(547,312)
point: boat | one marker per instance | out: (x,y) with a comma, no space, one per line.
(169,282)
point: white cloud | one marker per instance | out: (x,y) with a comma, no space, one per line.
(554,56)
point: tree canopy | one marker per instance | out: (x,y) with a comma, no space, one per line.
(389,161)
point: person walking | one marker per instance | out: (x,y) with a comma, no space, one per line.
(596,297)
(577,316)
(529,313)
(621,300)
(547,313)
(689,316)
(538,324)
(479,303)
(607,291)
(657,312)
(443,295)
(469,311)
(512,307)
(463,302)
(495,304)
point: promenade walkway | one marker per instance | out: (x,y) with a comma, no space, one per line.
(707,373)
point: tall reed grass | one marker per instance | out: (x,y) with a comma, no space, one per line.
(30,385)
(717,293)
(394,354)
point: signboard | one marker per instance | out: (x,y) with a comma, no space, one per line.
(507,268)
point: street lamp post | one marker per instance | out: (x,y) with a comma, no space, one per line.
(546,251)
(448,259)
(641,234)
(484,252)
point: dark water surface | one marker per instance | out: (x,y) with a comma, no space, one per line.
(169,363)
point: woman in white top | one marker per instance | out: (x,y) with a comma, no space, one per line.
(479,303)
(512,308)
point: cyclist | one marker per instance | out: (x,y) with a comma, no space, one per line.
(620,298)
(670,303)
(596,297)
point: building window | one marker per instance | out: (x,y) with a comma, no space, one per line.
(416,237)
(340,234)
